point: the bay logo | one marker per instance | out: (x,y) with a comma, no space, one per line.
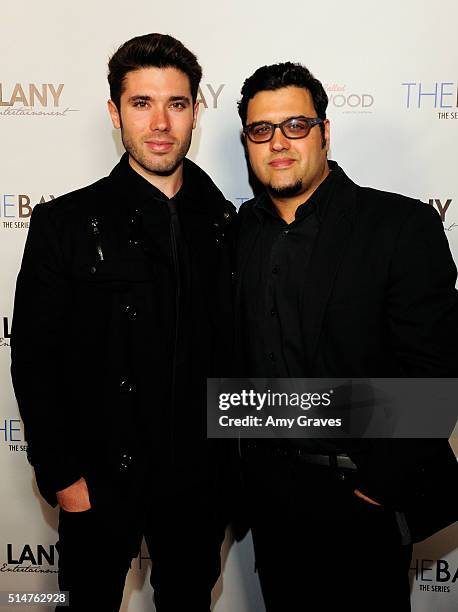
(437,575)
(438,96)
(16,208)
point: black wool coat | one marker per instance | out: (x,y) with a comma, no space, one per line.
(101,381)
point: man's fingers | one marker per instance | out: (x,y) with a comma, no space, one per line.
(368,499)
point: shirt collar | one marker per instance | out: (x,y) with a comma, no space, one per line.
(316,203)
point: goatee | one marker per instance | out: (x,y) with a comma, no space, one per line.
(288,191)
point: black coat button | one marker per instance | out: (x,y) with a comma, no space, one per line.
(125,463)
(130,311)
(126,386)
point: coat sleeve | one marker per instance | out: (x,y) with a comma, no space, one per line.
(422,308)
(41,308)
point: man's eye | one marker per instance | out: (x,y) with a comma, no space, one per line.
(178,105)
(140,104)
(296,126)
(259,130)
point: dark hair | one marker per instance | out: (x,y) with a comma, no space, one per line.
(277,76)
(151,50)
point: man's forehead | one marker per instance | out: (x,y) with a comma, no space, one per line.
(157,82)
(280,104)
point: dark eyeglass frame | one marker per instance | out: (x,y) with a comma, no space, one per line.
(310,121)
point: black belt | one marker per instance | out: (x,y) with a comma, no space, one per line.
(342,460)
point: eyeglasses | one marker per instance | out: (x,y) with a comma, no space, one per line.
(292,128)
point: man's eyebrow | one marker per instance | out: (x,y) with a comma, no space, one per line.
(180,99)
(139,97)
(145,98)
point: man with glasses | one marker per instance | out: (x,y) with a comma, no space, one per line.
(335,280)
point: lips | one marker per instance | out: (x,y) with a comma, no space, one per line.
(281,162)
(159,146)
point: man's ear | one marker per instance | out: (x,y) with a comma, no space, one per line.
(114,114)
(327,135)
(196,112)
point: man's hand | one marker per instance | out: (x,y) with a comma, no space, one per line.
(368,499)
(74,498)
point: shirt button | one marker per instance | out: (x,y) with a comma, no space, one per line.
(275,270)
(272,356)
(273,312)
(285,232)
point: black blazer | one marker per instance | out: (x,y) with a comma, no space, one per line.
(379,301)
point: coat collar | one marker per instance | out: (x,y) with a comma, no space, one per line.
(198,193)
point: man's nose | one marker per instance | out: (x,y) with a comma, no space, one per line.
(279,140)
(159,120)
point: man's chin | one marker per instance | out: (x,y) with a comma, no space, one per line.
(285,191)
(166,168)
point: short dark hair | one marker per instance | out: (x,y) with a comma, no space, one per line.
(277,76)
(151,50)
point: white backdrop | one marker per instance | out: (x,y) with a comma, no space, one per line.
(391,73)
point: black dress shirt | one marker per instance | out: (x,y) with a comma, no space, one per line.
(272,291)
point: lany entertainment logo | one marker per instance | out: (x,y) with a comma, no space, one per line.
(208,95)
(33,100)
(30,558)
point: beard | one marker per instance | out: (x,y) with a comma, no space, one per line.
(164,165)
(287,191)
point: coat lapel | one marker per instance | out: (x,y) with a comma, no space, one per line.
(247,231)
(331,243)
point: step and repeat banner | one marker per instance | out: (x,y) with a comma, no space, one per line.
(390,70)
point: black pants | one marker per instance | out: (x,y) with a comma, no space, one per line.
(318,547)
(183,532)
